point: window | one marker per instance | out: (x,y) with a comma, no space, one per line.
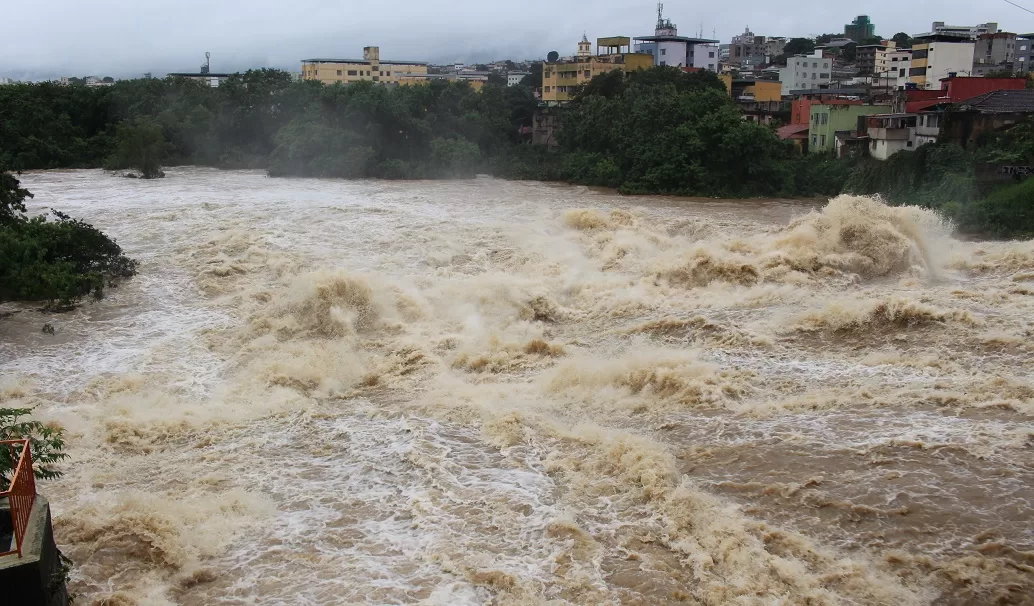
(814,139)
(664,51)
(664,62)
(917,71)
(901,72)
(825,119)
(822,140)
(710,66)
(387,73)
(547,89)
(376,78)
(813,75)
(339,72)
(814,64)
(909,144)
(380,73)
(352,72)
(920,54)
(825,65)
(824,76)
(710,55)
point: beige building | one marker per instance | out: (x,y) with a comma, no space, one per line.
(370,67)
(562,79)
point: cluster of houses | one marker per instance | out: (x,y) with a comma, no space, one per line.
(845,94)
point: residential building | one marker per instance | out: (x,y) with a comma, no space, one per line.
(957,90)
(928,127)
(760,101)
(860,30)
(969,32)
(991,112)
(669,48)
(806,72)
(898,64)
(514,78)
(795,133)
(775,45)
(369,68)
(705,56)
(827,120)
(937,57)
(560,80)
(875,58)
(4,81)
(994,52)
(748,48)
(890,133)
(1024,53)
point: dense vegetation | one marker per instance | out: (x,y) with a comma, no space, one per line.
(945,176)
(56,260)
(656,131)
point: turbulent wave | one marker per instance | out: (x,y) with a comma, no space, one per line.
(483,399)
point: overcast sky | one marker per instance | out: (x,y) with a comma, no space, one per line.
(125,38)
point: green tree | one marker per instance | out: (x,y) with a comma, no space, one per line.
(902,40)
(799,46)
(45,441)
(140,144)
(534,78)
(57,261)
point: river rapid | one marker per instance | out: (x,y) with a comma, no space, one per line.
(490,392)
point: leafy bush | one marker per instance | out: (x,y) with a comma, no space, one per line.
(46,443)
(57,261)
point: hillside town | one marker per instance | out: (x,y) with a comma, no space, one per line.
(833,93)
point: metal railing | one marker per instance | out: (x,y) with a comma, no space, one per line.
(21,494)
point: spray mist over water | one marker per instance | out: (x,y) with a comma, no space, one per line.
(513,393)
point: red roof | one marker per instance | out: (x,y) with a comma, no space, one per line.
(793,131)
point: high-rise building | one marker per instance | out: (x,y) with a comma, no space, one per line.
(861,29)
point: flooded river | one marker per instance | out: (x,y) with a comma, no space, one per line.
(483,392)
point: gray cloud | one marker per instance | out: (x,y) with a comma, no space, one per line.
(47,38)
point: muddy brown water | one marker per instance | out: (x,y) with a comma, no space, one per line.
(485,392)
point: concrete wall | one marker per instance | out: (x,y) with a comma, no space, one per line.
(36,578)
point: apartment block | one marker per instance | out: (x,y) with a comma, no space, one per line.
(806,72)
(937,57)
(969,32)
(994,52)
(369,68)
(561,79)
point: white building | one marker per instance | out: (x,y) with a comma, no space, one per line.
(971,32)
(669,48)
(514,78)
(895,74)
(4,80)
(936,57)
(890,133)
(706,56)
(805,72)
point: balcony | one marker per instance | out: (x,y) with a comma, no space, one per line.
(889,134)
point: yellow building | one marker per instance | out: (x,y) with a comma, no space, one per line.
(370,67)
(560,80)
(759,90)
